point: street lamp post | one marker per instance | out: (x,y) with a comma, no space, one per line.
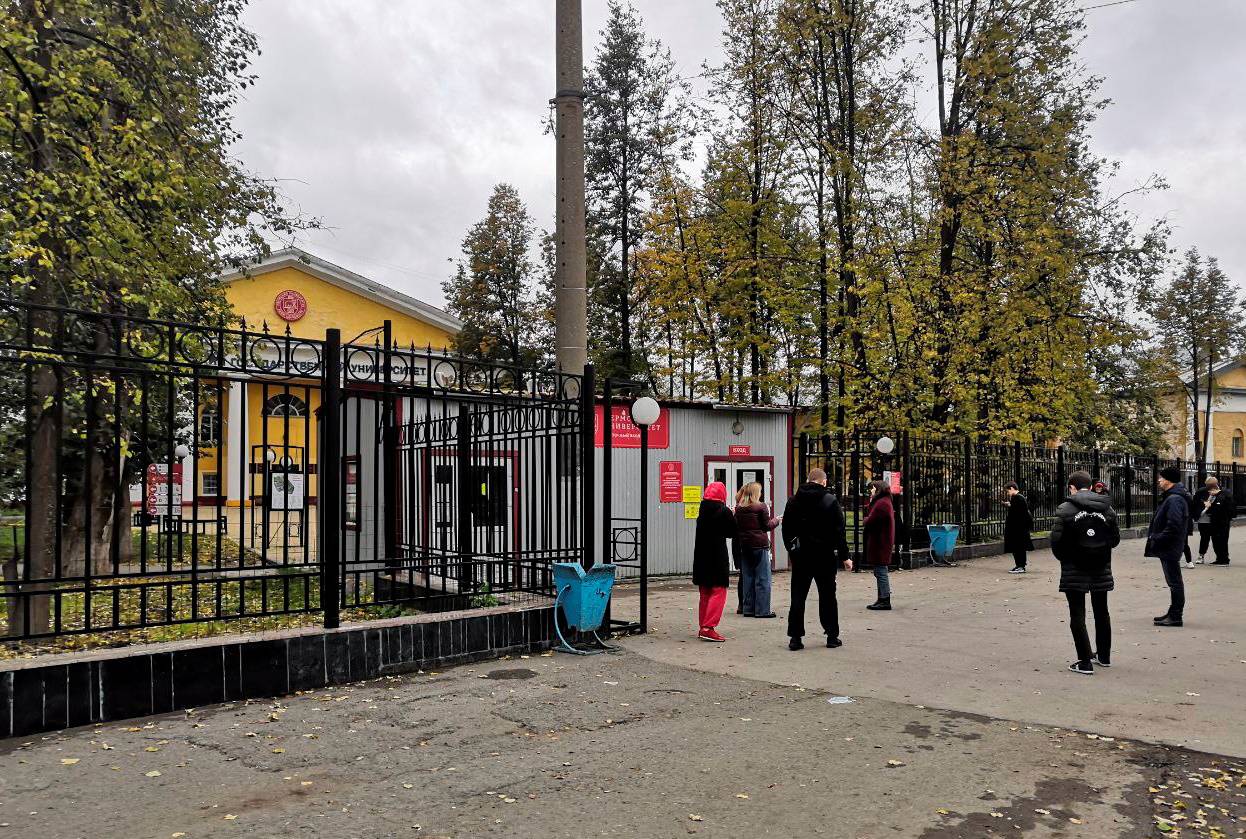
(645,412)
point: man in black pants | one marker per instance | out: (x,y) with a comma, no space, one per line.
(1082,538)
(1017,526)
(1165,538)
(1214,509)
(817,542)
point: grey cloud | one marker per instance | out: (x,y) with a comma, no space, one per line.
(392,120)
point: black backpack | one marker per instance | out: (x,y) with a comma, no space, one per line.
(1093,531)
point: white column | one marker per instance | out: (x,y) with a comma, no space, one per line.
(234,454)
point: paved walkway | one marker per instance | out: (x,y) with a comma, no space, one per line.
(673,737)
(975,638)
(617,746)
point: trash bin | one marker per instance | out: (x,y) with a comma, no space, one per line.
(943,541)
(583,596)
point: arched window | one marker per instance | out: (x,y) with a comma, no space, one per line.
(1239,444)
(209,427)
(285,405)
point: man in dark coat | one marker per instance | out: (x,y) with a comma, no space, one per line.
(1018,525)
(1082,538)
(1214,509)
(817,542)
(1166,538)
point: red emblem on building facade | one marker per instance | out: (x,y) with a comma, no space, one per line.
(290,305)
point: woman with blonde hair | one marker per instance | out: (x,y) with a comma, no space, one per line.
(753,525)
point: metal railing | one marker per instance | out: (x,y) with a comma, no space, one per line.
(959,480)
(163,473)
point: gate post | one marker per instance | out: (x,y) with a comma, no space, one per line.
(1154,483)
(329,502)
(1094,468)
(463,521)
(389,449)
(588,491)
(968,499)
(1129,492)
(906,499)
(607,449)
(802,460)
(1061,479)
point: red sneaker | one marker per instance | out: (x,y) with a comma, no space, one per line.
(710,635)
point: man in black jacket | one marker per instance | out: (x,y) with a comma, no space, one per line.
(1083,535)
(815,538)
(1165,538)
(1214,509)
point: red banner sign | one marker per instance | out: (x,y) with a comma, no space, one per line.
(739,451)
(670,481)
(625,434)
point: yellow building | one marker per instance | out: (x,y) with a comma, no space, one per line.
(291,293)
(1227,433)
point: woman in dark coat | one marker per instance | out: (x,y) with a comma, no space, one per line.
(711,565)
(879,529)
(1018,525)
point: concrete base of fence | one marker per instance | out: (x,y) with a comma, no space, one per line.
(61,691)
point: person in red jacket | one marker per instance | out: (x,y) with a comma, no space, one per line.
(711,567)
(879,529)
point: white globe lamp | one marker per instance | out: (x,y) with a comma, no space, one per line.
(645,411)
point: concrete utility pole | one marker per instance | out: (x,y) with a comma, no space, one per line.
(571,305)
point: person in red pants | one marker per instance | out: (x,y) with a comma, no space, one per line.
(711,571)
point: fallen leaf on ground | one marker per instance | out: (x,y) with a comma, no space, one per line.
(69,761)
(229,817)
(895,763)
(155,773)
(741,795)
(694,817)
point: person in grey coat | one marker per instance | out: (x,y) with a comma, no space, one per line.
(1166,538)
(1082,537)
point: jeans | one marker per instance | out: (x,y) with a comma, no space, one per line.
(804,573)
(881,576)
(1103,624)
(710,609)
(1172,576)
(755,581)
(1018,557)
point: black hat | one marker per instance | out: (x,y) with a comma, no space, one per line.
(1171,474)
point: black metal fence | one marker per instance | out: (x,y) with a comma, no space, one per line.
(958,480)
(156,473)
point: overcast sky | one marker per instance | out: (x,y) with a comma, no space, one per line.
(390,120)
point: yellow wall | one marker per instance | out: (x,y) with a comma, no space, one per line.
(1232,378)
(327,306)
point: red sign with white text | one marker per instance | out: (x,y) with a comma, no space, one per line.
(625,434)
(739,451)
(670,481)
(164,495)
